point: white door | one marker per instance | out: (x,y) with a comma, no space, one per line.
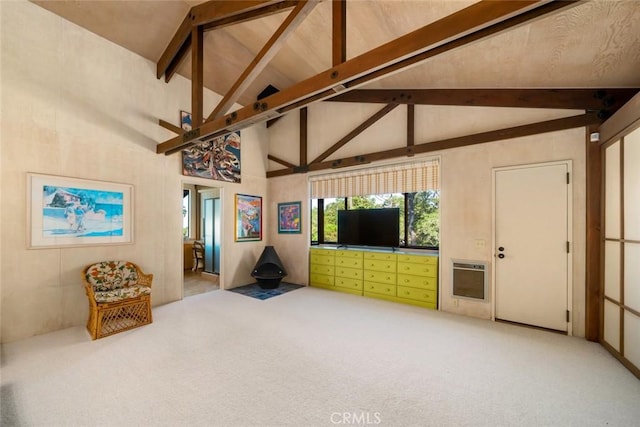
(531,245)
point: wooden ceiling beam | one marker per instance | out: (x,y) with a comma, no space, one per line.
(259,63)
(622,122)
(216,10)
(355,132)
(175,47)
(304,135)
(411,125)
(279,160)
(339,31)
(476,18)
(572,122)
(250,15)
(197,76)
(169,126)
(173,66)
(572,99)
(210,15)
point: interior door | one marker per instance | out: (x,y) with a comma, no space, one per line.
(217,235)
(208,221)
(531,245)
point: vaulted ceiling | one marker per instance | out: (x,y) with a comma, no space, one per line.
(594,44)
(316,49)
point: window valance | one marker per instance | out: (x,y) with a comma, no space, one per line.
(397,178)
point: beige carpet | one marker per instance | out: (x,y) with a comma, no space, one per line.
(313,357)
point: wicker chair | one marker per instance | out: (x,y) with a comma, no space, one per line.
(119,295)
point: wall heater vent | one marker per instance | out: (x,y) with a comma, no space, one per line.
(470,279)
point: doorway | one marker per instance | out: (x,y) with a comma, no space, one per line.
(532,245)
(202,210)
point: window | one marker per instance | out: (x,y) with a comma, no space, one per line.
(186,216)
(419,216)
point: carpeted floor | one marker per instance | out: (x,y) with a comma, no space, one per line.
(255,291)
(313,358)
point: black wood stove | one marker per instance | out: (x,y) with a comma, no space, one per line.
(269,270)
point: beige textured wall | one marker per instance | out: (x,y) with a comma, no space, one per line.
(74,104)
(1,182)
(466,178)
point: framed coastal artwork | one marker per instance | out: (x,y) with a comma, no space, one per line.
(217,158)
(289,218)
(65,211)
(248,223)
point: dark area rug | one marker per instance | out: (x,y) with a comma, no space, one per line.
(255,291)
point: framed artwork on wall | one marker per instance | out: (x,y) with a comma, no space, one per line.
(185,121)
(248,223)
(289,218)
(218,158)
(70,212)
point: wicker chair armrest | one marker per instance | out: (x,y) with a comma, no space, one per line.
(144,279)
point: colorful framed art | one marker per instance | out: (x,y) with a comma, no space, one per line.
(248,221)
(66,211)
(217,158)
(289,221)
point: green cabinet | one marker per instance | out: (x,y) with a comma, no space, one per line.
(399,277)
(322,268)
(349,272)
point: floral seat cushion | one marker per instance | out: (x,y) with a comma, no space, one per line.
(111,275)
(119,294)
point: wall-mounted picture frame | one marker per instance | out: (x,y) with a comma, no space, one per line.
(217,158)
(67,212)
(248,223)
(289,218)
(186,121)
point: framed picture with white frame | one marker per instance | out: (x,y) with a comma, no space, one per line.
(67,212)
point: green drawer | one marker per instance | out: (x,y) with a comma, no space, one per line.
(380,256)
(329,252)
(321,279)
(322,259)
(329,270)
(349,262)
(344,282)
(348,254)
(422,282)
(418,259)
(430,270)
(417,294)
(380,277)
(353,273)
(379,265)
(380,288)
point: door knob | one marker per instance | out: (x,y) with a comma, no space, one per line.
(501,248)
(500,256)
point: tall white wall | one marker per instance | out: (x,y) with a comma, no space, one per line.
(74,104)
(466,178)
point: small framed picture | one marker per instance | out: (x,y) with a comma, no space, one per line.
(248,218)
(289,218)
(185,121)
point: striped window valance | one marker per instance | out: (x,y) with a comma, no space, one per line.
(400,178)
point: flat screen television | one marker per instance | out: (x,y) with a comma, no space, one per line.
(369,227)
